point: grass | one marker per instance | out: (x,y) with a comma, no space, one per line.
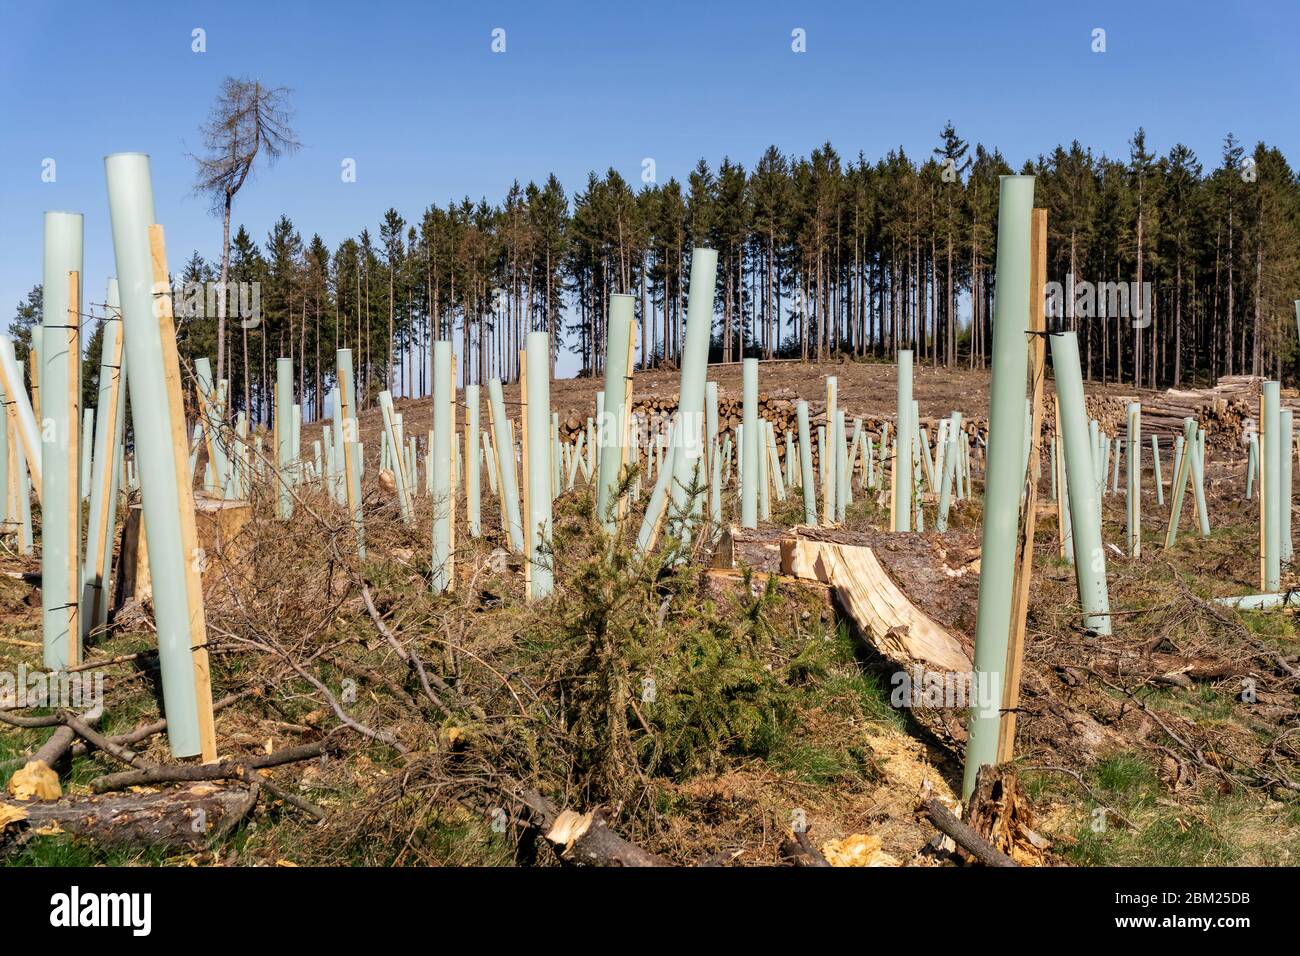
(64,850)
(1198,827)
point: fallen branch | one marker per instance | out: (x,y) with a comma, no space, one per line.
(583,838)
(963,835)
(800,850)
(226,770)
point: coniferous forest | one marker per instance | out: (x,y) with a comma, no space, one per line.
(819,255)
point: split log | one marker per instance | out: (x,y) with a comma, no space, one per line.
(941,570)
(884,616)
(924,652)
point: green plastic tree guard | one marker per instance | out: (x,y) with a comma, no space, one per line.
(503,446)
(1271,485)
(101,525)
(86,445)
(393,444)
(690,394)
(830,467)
(655,506)
(443,395)
(29,433)
(1081,485)
(1198,477)
(131,211)
(904,440)
(1155,468)
(749,448)
(1252,464)
(60,422)
(284,435)
(710,423)
(538,356)
(949,475)
(840,478)
(473,482)
(1004,471)
(774,463)
(618,335)
(1133,477)
(1286,462)
(805,464)
(350,447)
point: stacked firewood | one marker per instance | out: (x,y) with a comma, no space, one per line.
(778,410)
(1227,412)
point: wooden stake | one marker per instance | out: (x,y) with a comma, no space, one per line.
(108,420)
(1058,466)
(1028,525)
(1264,492)
(185,497)
(34,372)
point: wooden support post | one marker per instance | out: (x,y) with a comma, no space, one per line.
(34,374)
(185,495)
(106,462)
(626,445)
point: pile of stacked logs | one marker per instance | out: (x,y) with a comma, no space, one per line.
(780,411)
(1227,411)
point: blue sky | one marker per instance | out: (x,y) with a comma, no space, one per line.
(413,93)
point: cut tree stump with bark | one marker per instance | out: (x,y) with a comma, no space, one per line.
(722,585)
(998,811)
(963,834)
(219,524)
(928,656)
